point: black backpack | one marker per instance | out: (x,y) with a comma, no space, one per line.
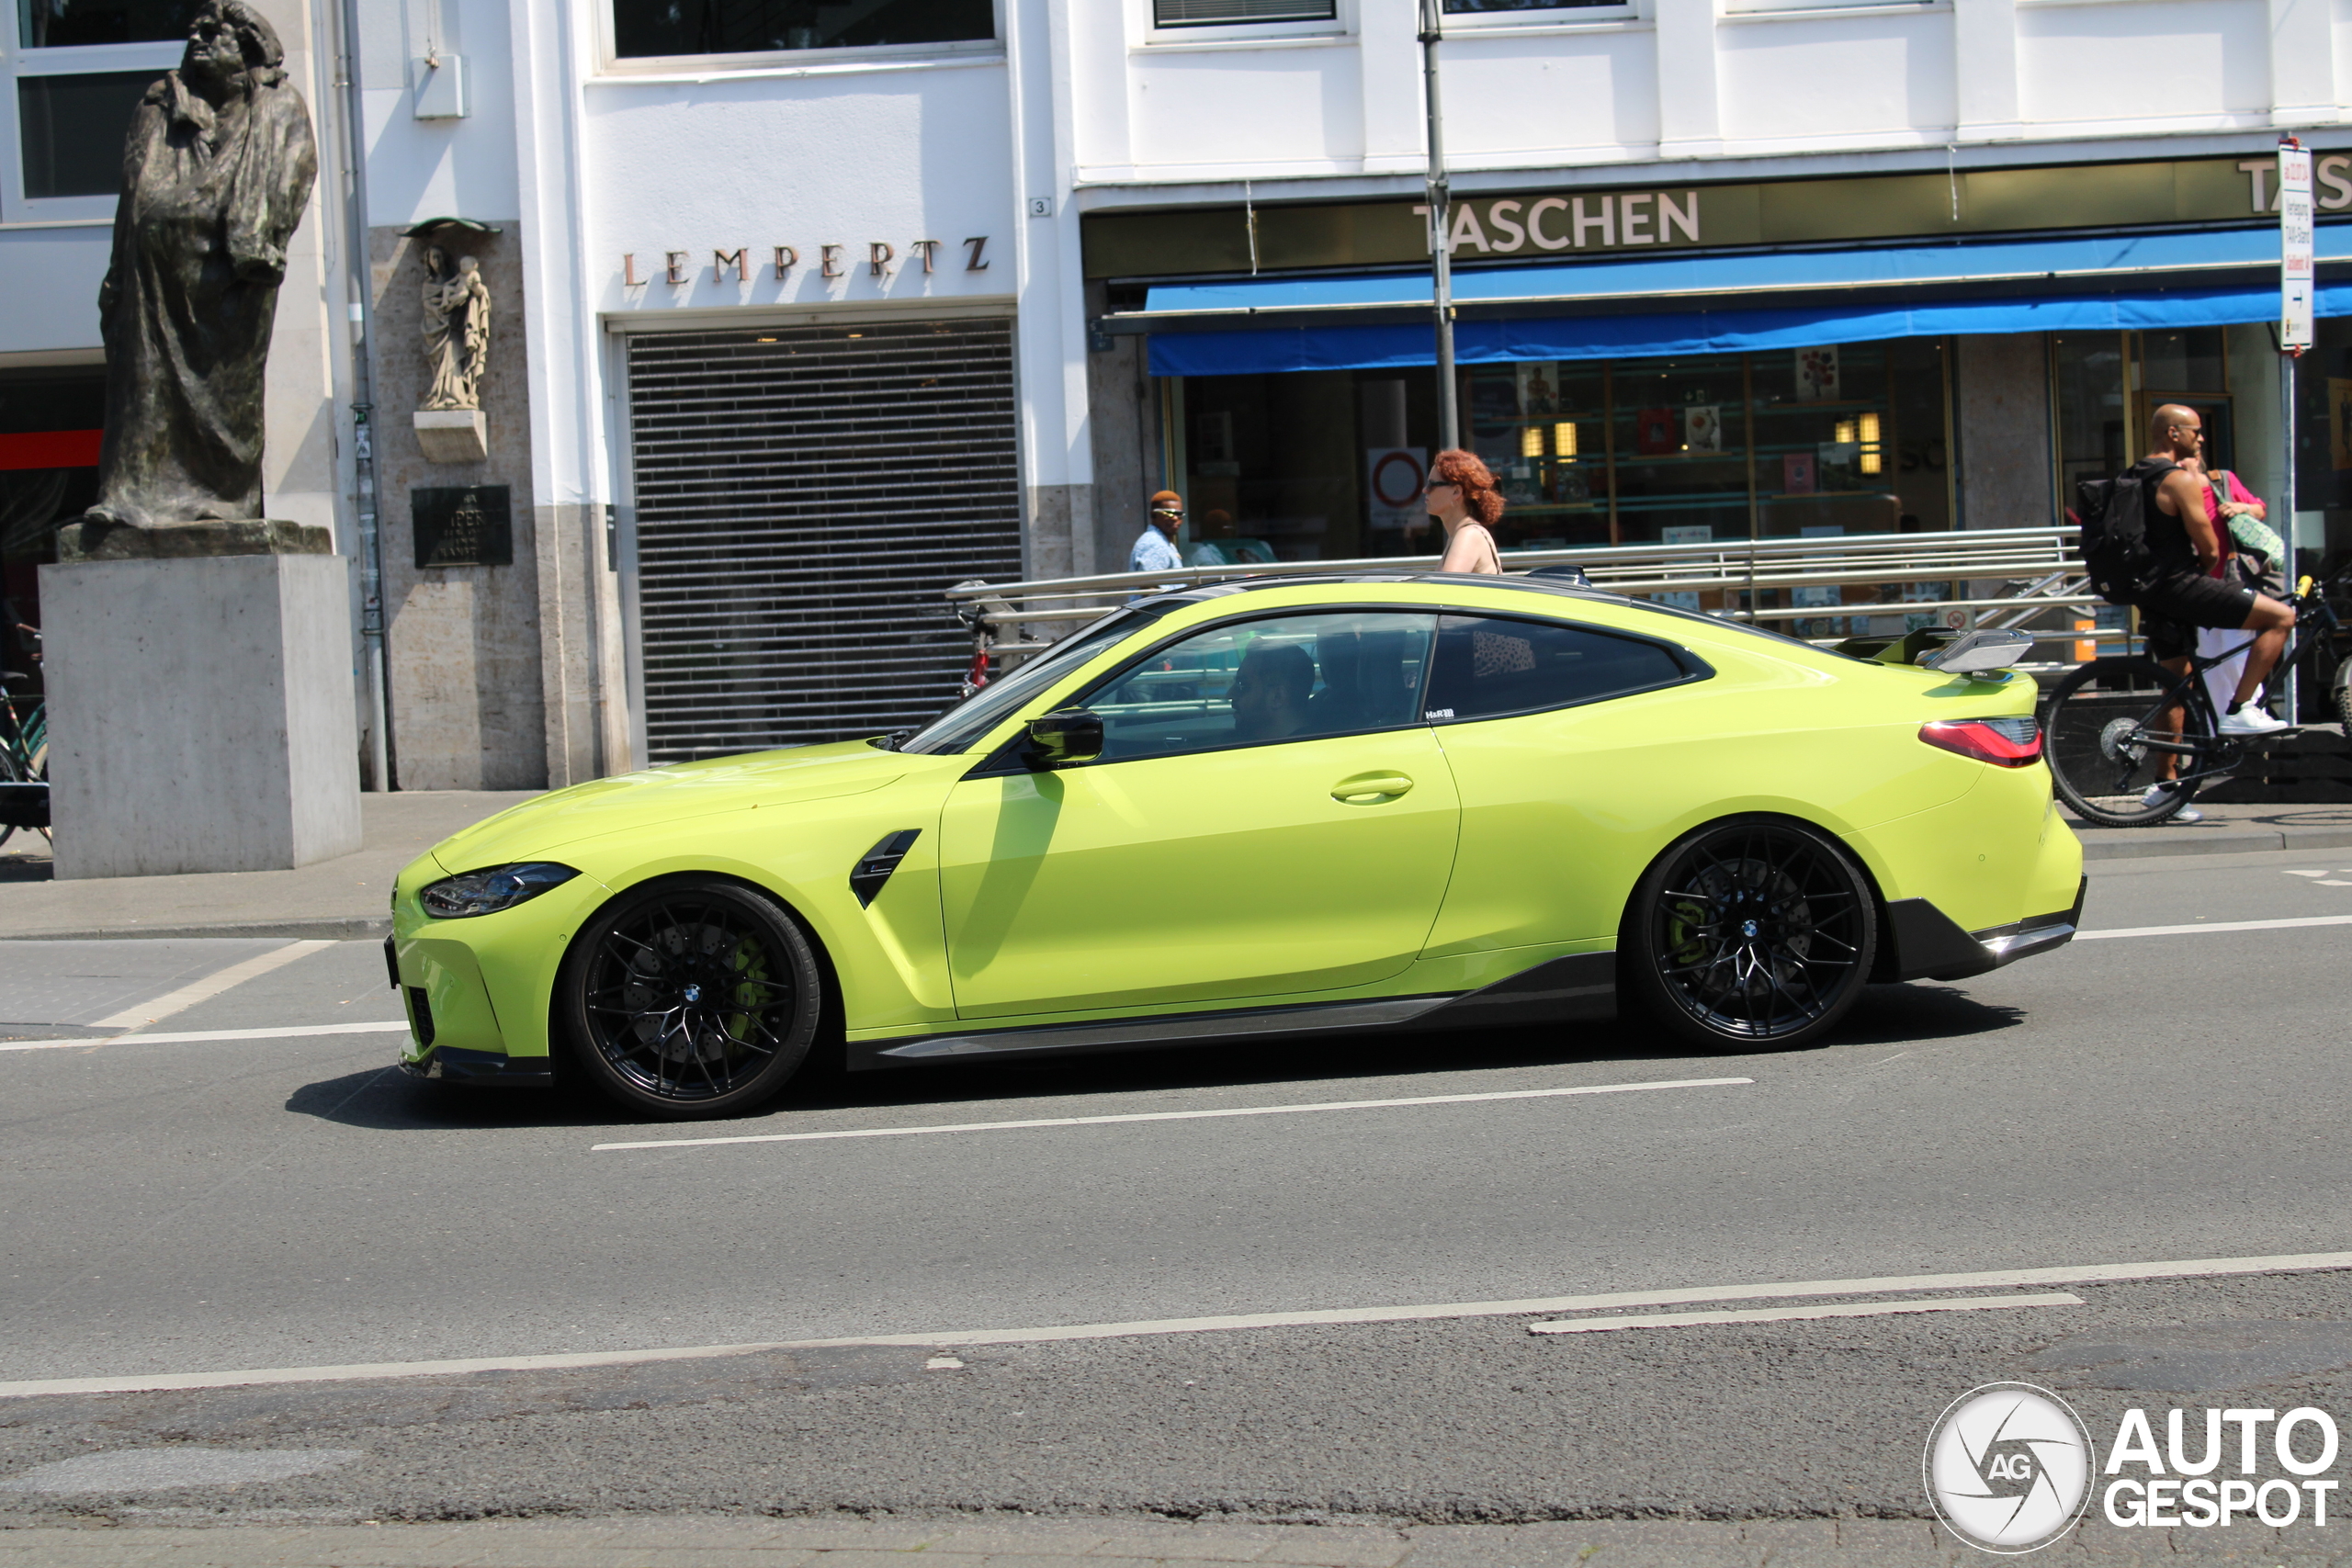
(2114,546)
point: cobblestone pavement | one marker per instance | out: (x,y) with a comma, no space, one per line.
(722,1542)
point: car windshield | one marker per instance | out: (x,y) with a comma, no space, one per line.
(960,727)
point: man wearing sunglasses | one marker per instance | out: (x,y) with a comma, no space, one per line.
(1155,548)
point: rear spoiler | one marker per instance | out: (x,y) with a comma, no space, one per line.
(1950,652)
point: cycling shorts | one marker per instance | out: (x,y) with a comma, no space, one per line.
(2172,610)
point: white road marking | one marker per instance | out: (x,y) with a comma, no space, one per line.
(190,1036)
(1790,1314)
(2304,874)
(2092,1273)
(1172,1115)
(2331,882)
(2219,926)
(211,986)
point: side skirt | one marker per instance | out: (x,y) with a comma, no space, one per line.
(1580,986)
(450,1065)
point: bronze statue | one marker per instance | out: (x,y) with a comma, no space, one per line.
(457,329)
(217,168)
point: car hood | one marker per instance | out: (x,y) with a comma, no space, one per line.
(536,829)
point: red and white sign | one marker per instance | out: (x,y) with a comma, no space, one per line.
(1393,476)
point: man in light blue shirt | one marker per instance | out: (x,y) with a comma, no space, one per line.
(1155,548)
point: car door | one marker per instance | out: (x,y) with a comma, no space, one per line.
(1270,816)
(1570,745)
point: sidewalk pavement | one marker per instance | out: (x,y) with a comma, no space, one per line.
(2227,829)
(848,1541)
(344,898)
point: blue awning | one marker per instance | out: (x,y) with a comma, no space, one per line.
(1561,311)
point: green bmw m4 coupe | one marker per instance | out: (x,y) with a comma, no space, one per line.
(1262,809)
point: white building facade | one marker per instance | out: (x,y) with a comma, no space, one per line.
(804,308)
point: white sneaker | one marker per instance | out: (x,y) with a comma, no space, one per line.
(2252,720)
(2158,793)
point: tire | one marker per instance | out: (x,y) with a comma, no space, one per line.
(690,998)
(2341,700)
(1754,931)
(2091,736)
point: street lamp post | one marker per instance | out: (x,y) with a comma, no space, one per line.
(1449,414)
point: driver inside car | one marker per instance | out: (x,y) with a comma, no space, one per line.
(1269,692)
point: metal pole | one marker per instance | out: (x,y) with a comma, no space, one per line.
(2286,672)
(371,554)
(1449,414)
(2295,286)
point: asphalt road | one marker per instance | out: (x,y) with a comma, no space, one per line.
(213,1205)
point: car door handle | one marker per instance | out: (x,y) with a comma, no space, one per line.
(1370,789)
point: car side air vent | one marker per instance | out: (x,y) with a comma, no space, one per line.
(874,866)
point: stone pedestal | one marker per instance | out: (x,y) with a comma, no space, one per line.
(452,436)
(201,715)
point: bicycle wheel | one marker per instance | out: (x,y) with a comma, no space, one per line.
(2107,736)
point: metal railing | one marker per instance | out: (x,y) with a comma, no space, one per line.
(1995,577)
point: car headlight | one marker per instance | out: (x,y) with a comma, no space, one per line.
(487,891)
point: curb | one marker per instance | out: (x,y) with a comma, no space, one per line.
(348,928)
(2141,843)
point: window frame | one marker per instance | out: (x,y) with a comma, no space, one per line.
(1552,15)
(612,65)
(1006,759)
(69,59)
(1144,24)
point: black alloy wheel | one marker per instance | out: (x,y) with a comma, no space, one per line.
(691,998)
(1756,930)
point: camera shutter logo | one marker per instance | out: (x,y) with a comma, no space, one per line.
(2009,1467)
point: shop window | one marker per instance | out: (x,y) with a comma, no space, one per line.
(73,128)
(2094,440)
(49,423)
(65,24)
(1326,465)
(643,27)
(1225,13)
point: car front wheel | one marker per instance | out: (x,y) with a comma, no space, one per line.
(1750,931)
(690,998)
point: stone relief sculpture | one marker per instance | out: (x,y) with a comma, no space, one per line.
(217,169)
(457,329)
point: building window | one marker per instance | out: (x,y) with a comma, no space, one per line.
(1478,7)
(66,24)
(72,128)
(1225,13)
(758,26)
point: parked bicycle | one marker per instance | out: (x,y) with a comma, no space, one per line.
(24,755)
(2111,726)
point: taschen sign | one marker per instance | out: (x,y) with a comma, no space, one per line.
(1534,225)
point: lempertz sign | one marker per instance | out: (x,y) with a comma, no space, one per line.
(1535,225)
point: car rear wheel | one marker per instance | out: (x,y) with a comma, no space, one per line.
(691,998)
(1751,931)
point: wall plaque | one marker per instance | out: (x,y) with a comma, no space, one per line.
(462,525)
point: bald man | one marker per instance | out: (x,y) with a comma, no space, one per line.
(2189,595)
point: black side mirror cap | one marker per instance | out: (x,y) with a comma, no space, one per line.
(1059,738)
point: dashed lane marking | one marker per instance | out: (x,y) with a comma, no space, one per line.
(2207,927)
(211,985)
(2093,1273)
(1795,1314)
(1174,1115)
(192,1036)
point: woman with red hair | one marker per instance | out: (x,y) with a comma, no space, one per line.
(1462,496)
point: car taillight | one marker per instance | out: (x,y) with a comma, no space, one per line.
(2003,742)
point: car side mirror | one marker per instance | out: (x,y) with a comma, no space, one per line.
(1070,735)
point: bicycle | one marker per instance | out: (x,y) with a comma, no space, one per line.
(2109,731)
(23,756)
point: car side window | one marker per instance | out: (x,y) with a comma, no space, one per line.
(1253,683)
(1488,665)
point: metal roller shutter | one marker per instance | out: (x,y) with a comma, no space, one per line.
(803,493)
